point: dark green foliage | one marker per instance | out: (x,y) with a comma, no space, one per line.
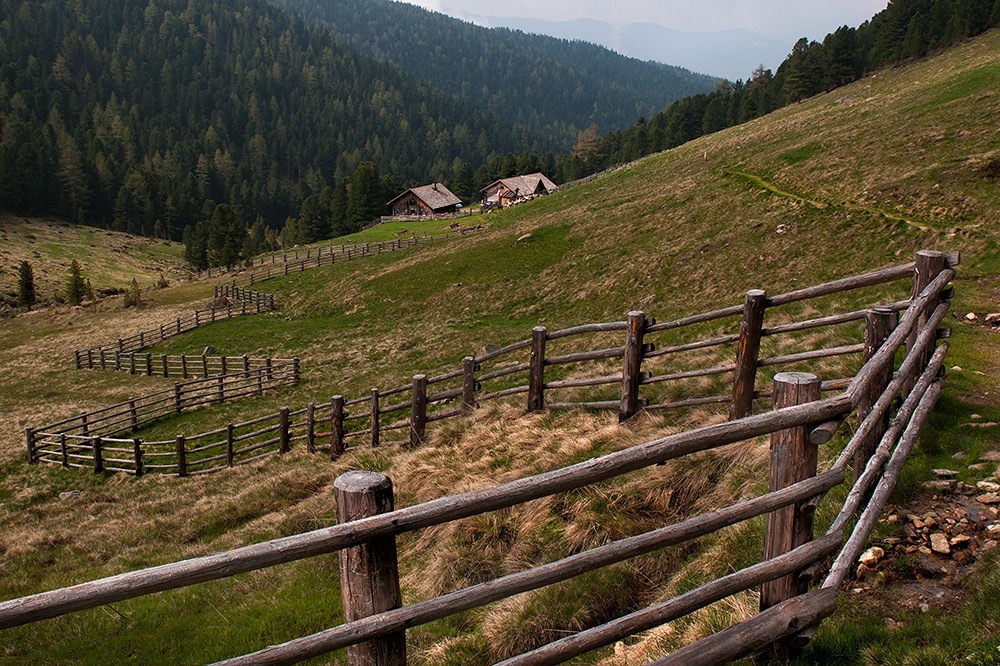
(125,114)
(463,182)
(132,297)
(226,231)
(25,285)
(365,198)
(554,87)
(76,288)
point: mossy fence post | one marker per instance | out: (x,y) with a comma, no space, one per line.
(418,410)
(336,426)
(536,370)
(879,324)
(747,351)
(632,375)
(793,459)
(929,263)
(369,575)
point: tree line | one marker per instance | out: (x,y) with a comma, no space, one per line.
(132,115)
(906,29)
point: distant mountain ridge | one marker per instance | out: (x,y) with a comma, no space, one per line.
(731,54)
(553,87)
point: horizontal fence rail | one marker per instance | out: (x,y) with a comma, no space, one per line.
(298,260)
(229,302)
(84,440)
(529,369)
(184,366)
(799,422)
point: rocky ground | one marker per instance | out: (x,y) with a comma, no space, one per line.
(944,529)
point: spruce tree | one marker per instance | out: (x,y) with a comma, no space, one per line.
(25,286)
(75,286)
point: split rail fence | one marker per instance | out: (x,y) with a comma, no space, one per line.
(246,302)
(649,377)
(800,421)
(88,439)
(286,263)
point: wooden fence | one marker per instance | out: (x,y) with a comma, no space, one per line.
(86,440)
(247,302)
(799,422)
(298,260)
(185,366)
(536,369)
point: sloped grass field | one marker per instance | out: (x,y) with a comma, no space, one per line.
(834,186)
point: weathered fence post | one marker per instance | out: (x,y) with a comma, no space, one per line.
(137,453)
(118,360)
(369,577)
(133,415)
(166,370)
(84,426)
(747,351)
(375,418)
(418,410)
(98,457)
(103,364)
(76,357)
(63,450)
(224,364)
(793,459)
(536,370)
(131,363)
(30,437)
(295,371)
(149,364)
(311,428)
(177,397)
(879,324)
(468,384)
(336,426)
(204,365)
(929,264)
(283,430)
(184,366)
(229,445)
(631,377)
(182,469)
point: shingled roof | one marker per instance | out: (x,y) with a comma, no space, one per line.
(435,195)
(524,185)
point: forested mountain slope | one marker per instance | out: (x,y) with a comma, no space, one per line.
(554,87)
(133,115)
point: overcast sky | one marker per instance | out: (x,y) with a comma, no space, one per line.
(785,20)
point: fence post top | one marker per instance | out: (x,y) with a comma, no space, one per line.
(362,481)
(636,313)
(929,253)
(756,293)
(539,329)
(795,378)
(419,378)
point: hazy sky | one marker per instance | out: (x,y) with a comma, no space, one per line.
(786,20)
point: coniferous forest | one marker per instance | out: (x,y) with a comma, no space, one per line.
(224,121)
(554,87)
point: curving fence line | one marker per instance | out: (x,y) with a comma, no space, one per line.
(539,368)
(800,421)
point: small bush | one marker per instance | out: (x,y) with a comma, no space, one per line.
(133,297)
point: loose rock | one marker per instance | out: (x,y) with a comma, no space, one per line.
(939,543)
(871,556)
(989,498)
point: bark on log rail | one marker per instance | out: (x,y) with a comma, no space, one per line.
(308,544)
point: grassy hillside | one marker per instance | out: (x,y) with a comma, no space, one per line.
(855,179)
(109,259)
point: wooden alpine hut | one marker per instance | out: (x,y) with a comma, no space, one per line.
(509,191)
(425,200)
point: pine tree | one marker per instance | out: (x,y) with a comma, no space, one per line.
(365,200)
(76,288)
(25,286)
